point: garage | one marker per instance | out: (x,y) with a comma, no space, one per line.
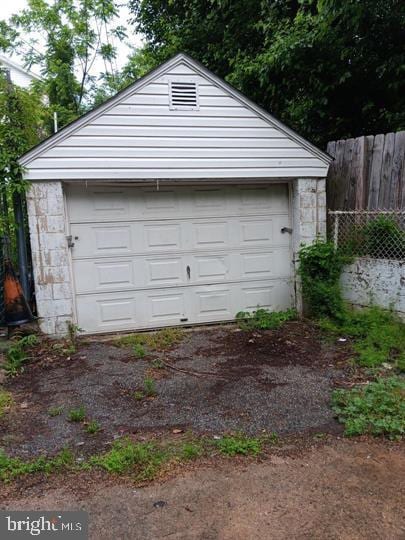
(143,258)
(176,202)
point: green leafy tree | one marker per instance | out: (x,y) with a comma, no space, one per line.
(65,39)
(23,116)
(330,69)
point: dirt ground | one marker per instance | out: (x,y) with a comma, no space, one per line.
(343,489)
(220,380)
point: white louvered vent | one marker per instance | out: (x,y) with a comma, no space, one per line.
(183,95)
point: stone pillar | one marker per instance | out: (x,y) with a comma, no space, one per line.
(50,257)
(309,218)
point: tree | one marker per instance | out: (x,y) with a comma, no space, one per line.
(66,37)
(330,69)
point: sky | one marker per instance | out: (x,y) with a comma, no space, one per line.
(8,8)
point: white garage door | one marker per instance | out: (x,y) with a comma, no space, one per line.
(144,258)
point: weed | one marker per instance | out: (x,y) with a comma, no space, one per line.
(377,409)
(149,387)
(239,444)
(55,411)
(144,459)
(93,427)
(153,341)
(16,354)
(138,395)
(379,336)
(6,401)
(263,319)
(157,363)
(13,467)
(138,350)
(73,331)
(77,415)
(191,450)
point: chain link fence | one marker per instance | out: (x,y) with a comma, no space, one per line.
(378,234)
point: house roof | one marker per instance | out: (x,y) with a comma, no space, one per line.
(85,119)
(5,60)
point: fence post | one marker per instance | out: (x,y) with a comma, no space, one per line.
(336,230)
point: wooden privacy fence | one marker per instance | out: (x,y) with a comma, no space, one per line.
(367,173)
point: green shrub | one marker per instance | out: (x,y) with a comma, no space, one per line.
(377,409)
(379,335)
(77,415)
(239,444)
(17,354)
(263,319)
(383,238)
(320,267)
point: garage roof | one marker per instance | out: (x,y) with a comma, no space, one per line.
(178,121)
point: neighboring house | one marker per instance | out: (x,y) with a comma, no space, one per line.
(17,74)
(178,201)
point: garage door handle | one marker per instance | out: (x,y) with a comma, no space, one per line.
(286,229)
(188,272)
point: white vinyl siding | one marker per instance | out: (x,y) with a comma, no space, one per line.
(140,137)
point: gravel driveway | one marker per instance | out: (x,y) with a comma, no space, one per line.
(218,380)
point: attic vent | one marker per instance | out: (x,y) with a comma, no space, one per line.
(183,95)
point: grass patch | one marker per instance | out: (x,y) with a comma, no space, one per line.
(239,444)
(143,460)
(376,409)
(17,354)
(12,467)
(157,364)
(379,336)
(55,411)
(149,386)
(263,319)
(138,350)
(93,427)
(153,341)
(6,401)
(77,415)
(138,395)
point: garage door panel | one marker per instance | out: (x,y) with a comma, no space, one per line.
(209,234)
(101,240)
(164,271)
(163,236)
(265,264)
(166,307)
(275,296)
(107,312)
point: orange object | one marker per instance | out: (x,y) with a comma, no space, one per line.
(16,308)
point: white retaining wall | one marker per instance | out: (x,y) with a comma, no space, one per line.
(375,281)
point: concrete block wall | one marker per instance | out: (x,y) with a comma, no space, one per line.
(50,257)
(379,282)
(309,218)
